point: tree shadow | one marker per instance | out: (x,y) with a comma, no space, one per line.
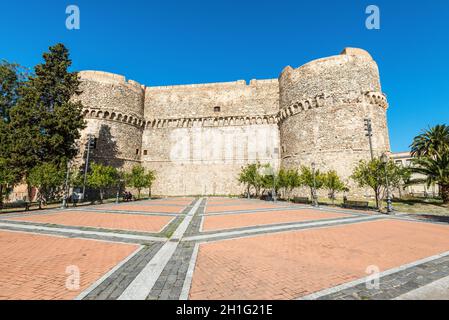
(105,152)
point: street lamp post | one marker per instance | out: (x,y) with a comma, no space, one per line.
(117,200)
(389,204)
(90,138)
(314,200)
(66,187)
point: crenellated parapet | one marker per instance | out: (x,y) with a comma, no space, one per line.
(212,121)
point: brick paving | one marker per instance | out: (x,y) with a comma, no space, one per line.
(293,264)
(221,222)
(222,248)
(34,266)
(114,221)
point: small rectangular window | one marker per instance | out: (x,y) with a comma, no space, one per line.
(137,152)
(217,109)
(145,152)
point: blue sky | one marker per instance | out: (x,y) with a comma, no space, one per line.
(196,41)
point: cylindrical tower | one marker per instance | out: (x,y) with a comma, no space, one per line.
(113,110)
(323,105)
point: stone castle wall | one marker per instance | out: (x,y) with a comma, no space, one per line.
(197,137)
(323,107)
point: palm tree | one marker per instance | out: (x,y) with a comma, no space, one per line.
(434,140)
(431,158)
(436,170)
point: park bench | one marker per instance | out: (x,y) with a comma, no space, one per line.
(301,200)
(17,205)
(356,204)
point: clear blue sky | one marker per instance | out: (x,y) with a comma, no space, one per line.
(174,42)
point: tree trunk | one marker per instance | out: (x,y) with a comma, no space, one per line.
(149,192)
(247,191)
(376,192)
(101,195)
(138,194)
(444,189)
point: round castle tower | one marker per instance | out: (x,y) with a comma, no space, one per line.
(114,115)
(323,105)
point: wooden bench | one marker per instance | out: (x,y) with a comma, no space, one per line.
(301,200)
(17,205)
(356,204)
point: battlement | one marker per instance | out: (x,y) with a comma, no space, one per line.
(108,77)
(214,85)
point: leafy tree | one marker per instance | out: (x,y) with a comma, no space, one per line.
(102,177)
(11,79)
(138,179)
(150,177)
(45,122)
(46,178)
(311,179)
(333,184)
(374,174)
(251,177)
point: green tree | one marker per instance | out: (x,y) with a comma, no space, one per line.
(311,179)
(45,121)
(432,142)
(436,171)
(138,179)
(431,153)
(375,173)
(251,177)
(333,184)
(150,177)
(47,178)
(102,177)
(12,77)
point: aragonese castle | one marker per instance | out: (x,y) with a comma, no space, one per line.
(197,137)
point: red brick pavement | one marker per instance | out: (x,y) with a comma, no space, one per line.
(116,221)
(230,221)
(34,266)
(292,264)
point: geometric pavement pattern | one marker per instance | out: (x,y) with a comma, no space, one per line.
(220,248)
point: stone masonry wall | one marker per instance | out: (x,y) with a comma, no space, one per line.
(323,107)
(310,114)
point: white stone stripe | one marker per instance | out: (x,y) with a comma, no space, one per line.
(287,227)
(189,276)
(179,232)
(436,290)
(92,287)
(354,283)
(141,286)
(83,232)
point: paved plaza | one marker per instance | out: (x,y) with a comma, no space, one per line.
(220,248)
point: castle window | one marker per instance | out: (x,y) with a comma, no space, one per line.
(217,109)
(145,152)
(137,152)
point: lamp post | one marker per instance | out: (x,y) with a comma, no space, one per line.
(66,187)
(384,159)
(117,200)
(90,141)
(314,200)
